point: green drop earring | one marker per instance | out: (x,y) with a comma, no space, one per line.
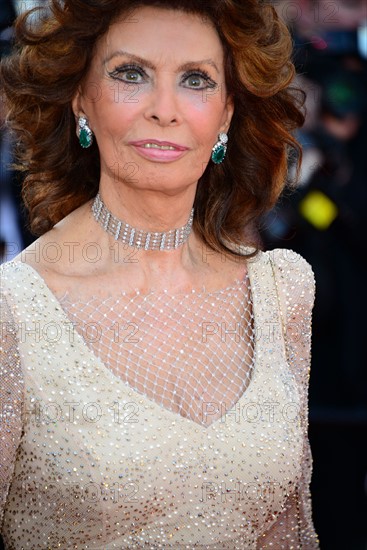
(220,148)
(84,132)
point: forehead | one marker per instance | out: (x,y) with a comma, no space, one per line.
(158,32)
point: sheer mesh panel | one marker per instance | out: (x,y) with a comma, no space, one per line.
(190,353)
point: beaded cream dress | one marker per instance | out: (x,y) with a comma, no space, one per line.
(156,420)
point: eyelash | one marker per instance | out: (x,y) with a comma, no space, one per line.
(124,68)
(202,74)
(116,73)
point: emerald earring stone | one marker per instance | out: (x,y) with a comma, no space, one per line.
(220,148)
(85,138)
(218,154)
(85,134)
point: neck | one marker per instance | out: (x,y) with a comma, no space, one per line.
(137,237)
(148,209)
(153,211)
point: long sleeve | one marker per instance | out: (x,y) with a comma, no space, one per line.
(11,399)
(293,528)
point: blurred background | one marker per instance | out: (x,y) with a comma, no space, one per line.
(323,219)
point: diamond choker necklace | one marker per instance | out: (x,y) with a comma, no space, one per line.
(138,238)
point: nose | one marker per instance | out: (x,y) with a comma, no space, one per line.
(163,105)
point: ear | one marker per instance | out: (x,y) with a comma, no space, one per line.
(228,113)
(76,104)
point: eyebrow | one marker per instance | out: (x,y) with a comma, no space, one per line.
(150,65)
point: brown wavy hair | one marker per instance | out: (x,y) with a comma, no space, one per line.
(53,51)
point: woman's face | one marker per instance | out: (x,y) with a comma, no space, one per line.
(155,99)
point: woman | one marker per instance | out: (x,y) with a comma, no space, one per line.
(155,395)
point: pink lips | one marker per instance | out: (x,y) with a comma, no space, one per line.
(157,154)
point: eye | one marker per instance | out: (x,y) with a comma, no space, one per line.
(129,73)
(198,80)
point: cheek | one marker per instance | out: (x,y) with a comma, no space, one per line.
(204,113)
(115,112)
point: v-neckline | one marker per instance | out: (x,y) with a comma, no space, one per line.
(98,361)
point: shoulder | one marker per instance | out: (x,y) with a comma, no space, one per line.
(291,268)
(9,274)
(293,273)
(9,270)
(15,282)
